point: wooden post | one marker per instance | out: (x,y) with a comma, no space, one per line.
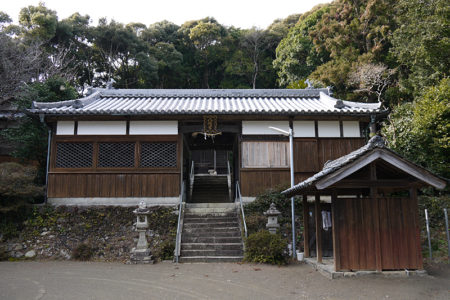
(305,226)
(414,202)
(336,238)
(376,216)
(318,218)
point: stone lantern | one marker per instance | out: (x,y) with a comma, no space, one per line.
(141,254)
(272,220)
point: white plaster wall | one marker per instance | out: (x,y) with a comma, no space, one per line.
(262,127)
(102,127)
(329,129)
(153,127)
(351,129)
(65,127)
(304,129)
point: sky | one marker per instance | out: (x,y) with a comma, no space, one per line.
(239,13)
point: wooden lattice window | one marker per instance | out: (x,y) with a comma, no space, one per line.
(74,155)
(116,155)
(158,155)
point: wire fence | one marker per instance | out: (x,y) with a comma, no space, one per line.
(435,233)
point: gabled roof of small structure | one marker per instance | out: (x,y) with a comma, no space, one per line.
(212,101)
(335,170)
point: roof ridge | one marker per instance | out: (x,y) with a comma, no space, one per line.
(214,92)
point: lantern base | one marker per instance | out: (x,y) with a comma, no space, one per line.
(141,256)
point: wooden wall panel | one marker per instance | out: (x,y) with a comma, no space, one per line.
(332,148)
(254,182)
(265,154)
(113,185)
(357,233)
(306,156)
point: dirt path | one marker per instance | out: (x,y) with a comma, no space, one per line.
(76,280)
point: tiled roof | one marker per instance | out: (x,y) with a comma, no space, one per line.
(182,102)
(376,142)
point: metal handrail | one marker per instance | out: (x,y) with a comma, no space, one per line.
(178,237)
(230,193)
(238,195)
(191,179)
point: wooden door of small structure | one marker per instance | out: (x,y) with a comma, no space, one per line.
(367,228)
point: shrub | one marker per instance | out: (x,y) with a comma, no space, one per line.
(17,183)
(82,252)
(255,223)
(165,250)
(264,247)
(256,220)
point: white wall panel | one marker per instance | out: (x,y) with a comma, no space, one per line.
(65,127)
(304,129)
(351,129)
(154,127)
(262,127)
(102,127)
(329,129)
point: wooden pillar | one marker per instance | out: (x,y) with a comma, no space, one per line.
(318,218)
(376,216)
(305,226)
(415,204)
(336,236)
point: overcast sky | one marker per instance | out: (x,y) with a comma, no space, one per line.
(239,13)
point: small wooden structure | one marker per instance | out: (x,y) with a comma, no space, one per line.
(374,209)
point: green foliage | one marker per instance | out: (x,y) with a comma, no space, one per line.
(435,206)
(420,131)
(256,220)
(296,55)
(263,247)
(17,183)
(83,252)
(422,47)
(30,137)
(165,249)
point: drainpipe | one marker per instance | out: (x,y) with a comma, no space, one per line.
(373,126)
(41,117)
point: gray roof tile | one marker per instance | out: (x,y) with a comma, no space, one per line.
(173,102)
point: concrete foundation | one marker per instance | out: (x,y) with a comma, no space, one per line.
(126,201)
(326,268)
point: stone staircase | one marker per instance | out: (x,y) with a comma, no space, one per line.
(210,189)
(211,233)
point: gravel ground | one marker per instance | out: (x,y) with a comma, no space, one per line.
(93,280)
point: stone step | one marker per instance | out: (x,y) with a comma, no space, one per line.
(211,230)
(208,219)
(209,211)
(209,246)
(210,239)
(211,252)
(195,234)
(211,205)
(196,259)
(212,225)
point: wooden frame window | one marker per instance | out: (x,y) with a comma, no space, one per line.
(74,155)
(115,154)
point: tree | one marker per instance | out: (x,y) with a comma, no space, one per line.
(255,43)
(296,55)
(38,22)
(121,55)
(371,79)
(420,131)
(30,137)
(18,64)
(421,44)
(206,37)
